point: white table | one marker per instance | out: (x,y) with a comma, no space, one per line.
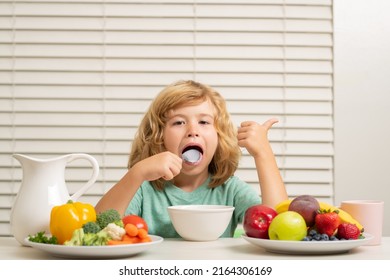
(221,249)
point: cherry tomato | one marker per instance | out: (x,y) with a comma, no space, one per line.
(135,220)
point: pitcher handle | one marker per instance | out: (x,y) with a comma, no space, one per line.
(93,178)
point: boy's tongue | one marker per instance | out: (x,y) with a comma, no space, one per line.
(192,155)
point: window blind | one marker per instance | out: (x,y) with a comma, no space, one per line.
(77,76)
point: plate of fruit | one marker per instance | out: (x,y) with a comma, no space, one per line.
(78,232)
(303,225)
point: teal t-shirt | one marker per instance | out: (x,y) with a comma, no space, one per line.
(152,204)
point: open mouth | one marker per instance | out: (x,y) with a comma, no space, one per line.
(192,154)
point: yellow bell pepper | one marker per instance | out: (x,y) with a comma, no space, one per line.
(66,218)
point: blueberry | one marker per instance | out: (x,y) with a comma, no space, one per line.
(317,237)
(324,237)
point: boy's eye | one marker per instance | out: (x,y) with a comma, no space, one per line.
(204,122)
(178,122)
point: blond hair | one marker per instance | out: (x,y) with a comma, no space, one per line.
(149,141)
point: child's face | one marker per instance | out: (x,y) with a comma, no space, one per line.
(192,126)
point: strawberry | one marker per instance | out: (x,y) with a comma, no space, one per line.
(327,222)
(348,231)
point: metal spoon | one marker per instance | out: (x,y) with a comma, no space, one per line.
(192,155)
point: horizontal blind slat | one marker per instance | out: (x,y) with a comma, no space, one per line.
(148,92)
(132,120)
(127,133)
(140,106)
(160,65)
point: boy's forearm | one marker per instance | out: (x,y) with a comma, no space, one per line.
(120,195)
(272,187)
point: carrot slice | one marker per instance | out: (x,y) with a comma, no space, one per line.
(131,230)
(142,233)
(126,237)
(146,239)
(119,242)
(134,239)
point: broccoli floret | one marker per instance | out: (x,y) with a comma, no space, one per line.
(107,217)
(120,223)
(77,238)
(96,239)
(91,227)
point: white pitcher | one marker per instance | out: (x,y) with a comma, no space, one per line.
(43,186)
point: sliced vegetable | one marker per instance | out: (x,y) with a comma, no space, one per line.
(142,233)
(131,230)
(133,235)
(119,242)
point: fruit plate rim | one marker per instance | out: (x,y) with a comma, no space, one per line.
(307,247)
(95,252)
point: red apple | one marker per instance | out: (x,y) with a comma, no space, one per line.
(257,219)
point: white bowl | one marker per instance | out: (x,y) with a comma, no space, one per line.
(200,222)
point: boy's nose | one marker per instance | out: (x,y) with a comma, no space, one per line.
(192,134)
(192,130)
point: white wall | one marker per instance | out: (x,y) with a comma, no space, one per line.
(362,101)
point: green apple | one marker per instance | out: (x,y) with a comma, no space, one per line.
(288,225)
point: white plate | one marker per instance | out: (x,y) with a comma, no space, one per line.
(307,247)
(96,252)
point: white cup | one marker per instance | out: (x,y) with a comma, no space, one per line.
(370,214)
